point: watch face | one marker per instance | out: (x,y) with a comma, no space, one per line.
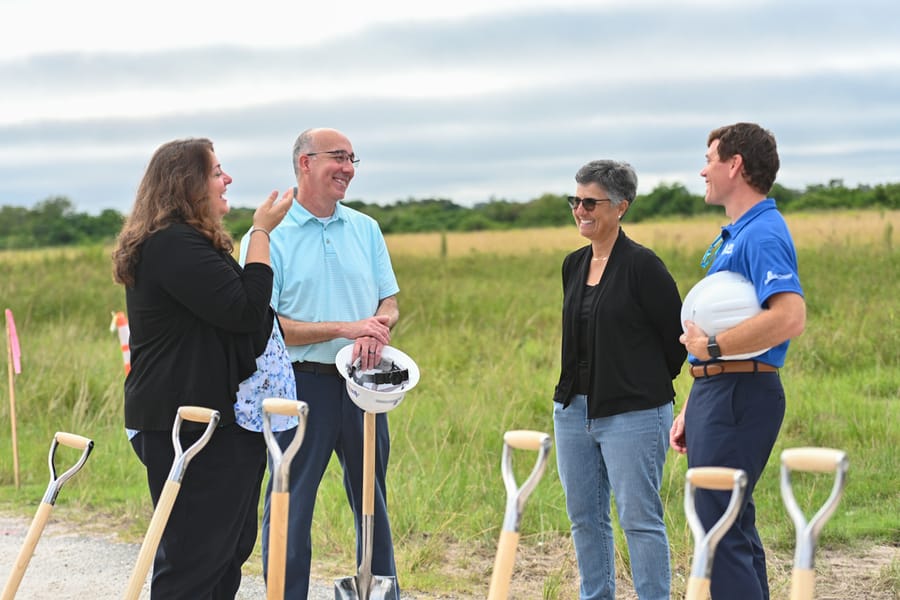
(713,348)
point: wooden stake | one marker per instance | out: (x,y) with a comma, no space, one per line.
(12,404)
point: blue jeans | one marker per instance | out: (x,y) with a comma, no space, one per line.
(623,455)
(334,424)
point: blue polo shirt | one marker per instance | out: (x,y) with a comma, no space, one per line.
(333,269)
(759,247)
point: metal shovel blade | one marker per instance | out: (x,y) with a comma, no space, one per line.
(364,585)
(380,588)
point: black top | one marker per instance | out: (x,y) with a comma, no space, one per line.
(198,321)
(636,322)
(585,340)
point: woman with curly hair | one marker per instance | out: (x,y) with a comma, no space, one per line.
(198,321)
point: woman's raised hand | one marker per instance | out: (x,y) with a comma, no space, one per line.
(270,213)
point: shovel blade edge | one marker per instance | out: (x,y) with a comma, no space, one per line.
(380,588)
(345,589)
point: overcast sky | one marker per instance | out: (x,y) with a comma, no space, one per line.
(465,99)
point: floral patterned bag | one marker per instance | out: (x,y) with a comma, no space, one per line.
(274,378)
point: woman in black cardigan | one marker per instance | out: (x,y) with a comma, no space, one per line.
(197,322)
(613,402)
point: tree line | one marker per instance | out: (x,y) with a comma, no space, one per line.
(55,221)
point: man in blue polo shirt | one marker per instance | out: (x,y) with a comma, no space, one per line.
(333,285)
(735,407)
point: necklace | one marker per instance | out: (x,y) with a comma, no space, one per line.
(600,258)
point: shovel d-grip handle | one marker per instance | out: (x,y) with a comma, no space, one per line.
(43,512)
(814,460)
(515,503)
(72,441)
(284,407)
(197,414)
(710,478)
(280,496)
(281,460)
(523,439)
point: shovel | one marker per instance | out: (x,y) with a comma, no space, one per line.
(710,478)
(197,414)
(279,501)
(819,460)
(364,585)
(43,513)
(515,504)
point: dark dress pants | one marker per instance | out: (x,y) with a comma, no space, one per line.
(212,528)
(732,420)
(334,424)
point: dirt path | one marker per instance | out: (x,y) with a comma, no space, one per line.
(72,565)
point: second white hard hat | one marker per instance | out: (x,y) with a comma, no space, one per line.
(720,301)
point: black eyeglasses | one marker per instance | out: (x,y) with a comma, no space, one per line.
(588,203)
(339,155)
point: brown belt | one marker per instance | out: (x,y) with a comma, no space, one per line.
(731,366)
(317,368)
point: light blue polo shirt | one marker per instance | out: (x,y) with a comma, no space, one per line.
(335,269)
(759,247)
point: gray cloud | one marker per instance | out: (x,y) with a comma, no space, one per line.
(643,86)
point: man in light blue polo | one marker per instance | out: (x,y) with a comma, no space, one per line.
(333,285)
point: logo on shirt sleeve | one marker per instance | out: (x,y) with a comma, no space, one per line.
(770,276)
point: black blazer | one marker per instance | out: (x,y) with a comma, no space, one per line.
(635,327)
(198,321)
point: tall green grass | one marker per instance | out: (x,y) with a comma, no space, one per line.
(484,330)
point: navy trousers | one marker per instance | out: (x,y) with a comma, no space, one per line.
(334,424)
(212,528)
(732,420)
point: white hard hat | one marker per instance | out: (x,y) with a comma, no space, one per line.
(719,302)
(380,389)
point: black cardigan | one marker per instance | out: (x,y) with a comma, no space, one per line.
(635,327)
(198,321)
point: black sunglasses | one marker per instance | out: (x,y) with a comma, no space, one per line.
(588,203)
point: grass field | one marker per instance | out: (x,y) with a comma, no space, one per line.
(480,313)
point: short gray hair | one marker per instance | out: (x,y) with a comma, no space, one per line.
(301,146)
(616,177)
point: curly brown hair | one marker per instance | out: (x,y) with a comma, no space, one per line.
(756,146)
(173,190)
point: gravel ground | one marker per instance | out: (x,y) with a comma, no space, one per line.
(68,565)
(74,565)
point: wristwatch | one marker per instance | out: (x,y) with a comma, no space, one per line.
(713,347)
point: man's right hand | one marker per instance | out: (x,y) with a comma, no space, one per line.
(676,434)
(374,327)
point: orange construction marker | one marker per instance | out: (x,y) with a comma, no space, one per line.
(120,324)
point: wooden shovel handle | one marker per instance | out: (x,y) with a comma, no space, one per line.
(151,540)
(697,588)
(369,464)
(281,406)
(72,441)
(25,554)
(278,521)
(711,478)
(522,439)
(803,584)
(503,565)
(819,460)
(197,414)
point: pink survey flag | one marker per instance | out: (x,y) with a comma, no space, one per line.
(13,341)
